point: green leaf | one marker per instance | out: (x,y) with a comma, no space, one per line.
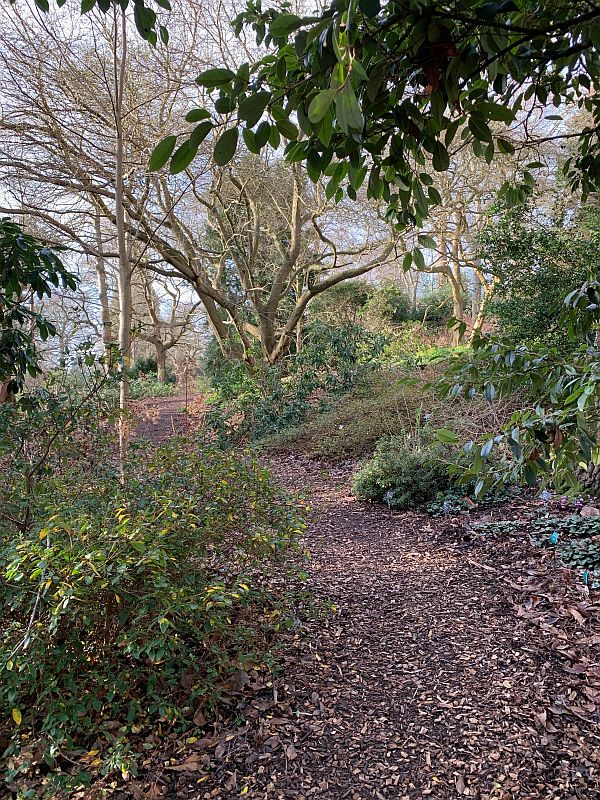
(183,157)
(261,134)
(406,261)
(418,259)
(196,114)
(226,146)
(504,146)
(480,130)
(284,24)
(161,153)
(200,133)
(347,110)
(212,78)
(253,107)
(427,241)
(441,159)
(487,448)
(370,8)
(446,436)
(250,140)
(359,70)
(287,129)
(496,112)
(87,5)
(164,34)
(530,473)
(320,105)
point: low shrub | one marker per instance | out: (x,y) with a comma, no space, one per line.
(148,386)
(252,405)
(400,477)
(127,604)
(149,367)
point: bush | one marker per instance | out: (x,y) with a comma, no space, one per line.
(275,397)
(148,386)
(387,305)
(129,604)
(400,477)
(341,304)
(144,366)
(435,307)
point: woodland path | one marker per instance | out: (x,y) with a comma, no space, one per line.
(434,677)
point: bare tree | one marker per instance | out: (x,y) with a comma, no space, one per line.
(162,317)
(57,148)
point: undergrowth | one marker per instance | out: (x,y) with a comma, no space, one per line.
(127,604)
(394,401)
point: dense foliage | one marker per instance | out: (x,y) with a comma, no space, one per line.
(378,89)
(28,269)
(536,261)
(267,400)
(103,633)
(555,429)
(401,475)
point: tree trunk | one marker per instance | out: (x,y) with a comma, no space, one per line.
(488,291)
(103,288)
(125,301)
(476,296)
(456,283)
(161,362)
(457,311)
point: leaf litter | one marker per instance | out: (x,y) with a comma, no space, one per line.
(449,665)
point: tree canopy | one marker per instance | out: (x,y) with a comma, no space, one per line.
(375,91)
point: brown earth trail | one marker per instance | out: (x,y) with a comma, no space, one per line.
(442,671)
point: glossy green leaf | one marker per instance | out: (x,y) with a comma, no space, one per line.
(213,78)
(182,157)
(320,105)
(161,153)
(200,133)
(196,114)
(253,107)
(284,24)
(226,146)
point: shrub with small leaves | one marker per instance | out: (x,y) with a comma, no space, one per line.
(148,386)
(400,477)
(129,603)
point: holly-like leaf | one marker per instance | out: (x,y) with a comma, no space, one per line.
(446,436)
(200,133)
(427,241)
(253,107)
(183,157)
(441,159)
(196,114)
(284,24)
(320,105)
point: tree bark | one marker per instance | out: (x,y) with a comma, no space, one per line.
(102,281)
(125,300)
(161,362)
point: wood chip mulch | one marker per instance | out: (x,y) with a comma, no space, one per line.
(451,666)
